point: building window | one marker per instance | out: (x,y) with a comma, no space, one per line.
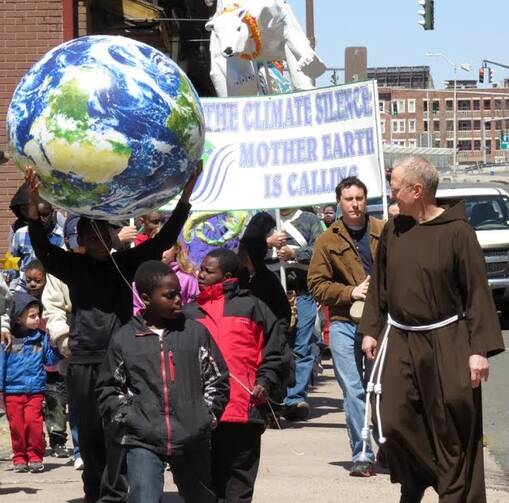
(436,106)
(450,144)
(498,104)
(425,105)
(464,125)
(464,105)
(411,126)
(411,106)
(486,104)
(449,125)
(398,107)
(487,125)
(498,125)
(507,124)
(449,105)
(436,125)
(398,126)
(477,144)
(425,122)
(436,142)
(497,144)
(412,143)
(465,145)
(381,106)
(507,104)
(399,143)
(476,104)
(477,125)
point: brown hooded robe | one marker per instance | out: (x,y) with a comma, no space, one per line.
(431,416)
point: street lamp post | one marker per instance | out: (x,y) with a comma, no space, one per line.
(466,67)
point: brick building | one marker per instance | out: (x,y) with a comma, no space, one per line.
(425,118)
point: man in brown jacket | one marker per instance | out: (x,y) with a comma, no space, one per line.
(338,277)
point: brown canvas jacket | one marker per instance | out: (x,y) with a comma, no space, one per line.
(336,267)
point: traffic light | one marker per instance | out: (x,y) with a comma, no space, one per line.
(427,13)
(481,75)
(490,75)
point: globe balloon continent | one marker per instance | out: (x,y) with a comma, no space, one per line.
(112,126)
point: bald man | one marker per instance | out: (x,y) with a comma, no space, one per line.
(429,283)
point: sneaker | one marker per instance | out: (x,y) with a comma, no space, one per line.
(35,467)
(20,468)
(78,464)
(296,411)
(60,451)
(362,469)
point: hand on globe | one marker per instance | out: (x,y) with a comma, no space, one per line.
(191,182)
(33,185)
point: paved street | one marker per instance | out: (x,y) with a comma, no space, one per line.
(304,462)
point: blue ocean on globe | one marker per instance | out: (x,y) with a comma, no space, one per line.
(112,126)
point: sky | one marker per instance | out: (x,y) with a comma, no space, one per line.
(466,31)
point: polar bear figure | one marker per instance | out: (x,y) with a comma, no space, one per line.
(249,32)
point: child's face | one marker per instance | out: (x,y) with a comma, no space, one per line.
(29,318)
(210,273)
(152,222)
(94,246)
(35,281)
(165,302)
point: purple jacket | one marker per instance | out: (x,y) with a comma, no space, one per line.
(188,288)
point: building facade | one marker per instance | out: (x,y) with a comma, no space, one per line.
(425,118)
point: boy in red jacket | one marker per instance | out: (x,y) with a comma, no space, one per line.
(252,344)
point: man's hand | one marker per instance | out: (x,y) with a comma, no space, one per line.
(286,253)
(33,185)
(259,392)
(189,186)
(360,291)
(277,239)
(369,345)
(127,234)
(6,339)
(479,369)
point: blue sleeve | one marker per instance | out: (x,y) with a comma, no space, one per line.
(51,356)
(3,366)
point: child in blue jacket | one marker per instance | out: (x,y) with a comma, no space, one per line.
(23,381)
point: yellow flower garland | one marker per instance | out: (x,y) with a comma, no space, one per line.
(254,32)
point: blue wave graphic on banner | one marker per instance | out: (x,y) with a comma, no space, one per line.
(209,187)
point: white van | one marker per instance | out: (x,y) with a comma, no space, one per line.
(487,207)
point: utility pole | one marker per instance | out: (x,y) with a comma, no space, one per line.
(310,22)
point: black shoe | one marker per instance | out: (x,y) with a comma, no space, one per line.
(411,495)
(296,411)
(362,469)
(60,451)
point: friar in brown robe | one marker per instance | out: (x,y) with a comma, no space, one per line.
(429,268)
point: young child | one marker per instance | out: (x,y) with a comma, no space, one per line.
(24,381)
(151,223)
(252,343)
(165,382)
(35,278)
(102,302)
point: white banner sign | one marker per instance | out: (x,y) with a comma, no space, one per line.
(289,150)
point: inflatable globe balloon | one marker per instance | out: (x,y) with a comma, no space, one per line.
(112,126)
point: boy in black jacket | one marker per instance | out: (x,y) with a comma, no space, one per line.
(101,303)
(165,382)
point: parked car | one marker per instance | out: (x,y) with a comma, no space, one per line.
(487,207)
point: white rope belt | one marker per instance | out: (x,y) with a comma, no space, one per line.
(377,371)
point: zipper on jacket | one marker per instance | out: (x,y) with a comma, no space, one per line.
(166,396)
(171,366)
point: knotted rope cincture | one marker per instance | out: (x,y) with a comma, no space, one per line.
(376,387)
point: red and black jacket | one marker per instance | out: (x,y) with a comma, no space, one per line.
(251,342)
(166,390)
